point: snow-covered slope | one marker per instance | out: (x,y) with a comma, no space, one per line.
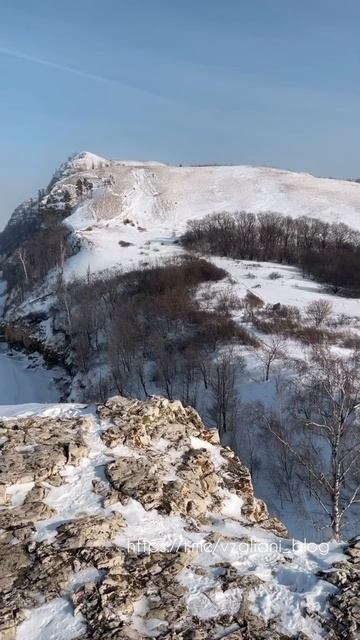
(151,192)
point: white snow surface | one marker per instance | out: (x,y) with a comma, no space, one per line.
(52,621)
(289,288)
(85,160)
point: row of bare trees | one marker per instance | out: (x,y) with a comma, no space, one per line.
(329,252)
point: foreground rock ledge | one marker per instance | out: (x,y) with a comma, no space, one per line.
(110,511)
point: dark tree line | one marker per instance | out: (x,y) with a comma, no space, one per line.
(30,217)
(83,188)
(328,252)
(18,230)
(40,251)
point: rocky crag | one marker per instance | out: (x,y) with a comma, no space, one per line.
(129,520)
(344,620)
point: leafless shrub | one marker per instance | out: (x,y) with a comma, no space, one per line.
(315,335)
(319,311)
(350,341)
(270,352)
(252,301)
(228,301)
(343,320)
(224,394)
(124,243)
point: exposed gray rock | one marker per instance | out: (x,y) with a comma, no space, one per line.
(20,520)
(196,489)
(167,462)
(38,448)
(345,603)
(90,531)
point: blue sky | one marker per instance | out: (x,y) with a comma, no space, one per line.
(272,82)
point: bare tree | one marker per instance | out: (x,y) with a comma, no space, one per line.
(22,255)
(119,377)
(64,302)
(166,365)
(245,439)
(62,254)
(203,364)
(270,352)
(189,374)
(139,366)
(224,393)
(124,338)
(324,438)
(81,345)
(319,311)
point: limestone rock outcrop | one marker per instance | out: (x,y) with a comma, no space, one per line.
(344,622)
(135,517)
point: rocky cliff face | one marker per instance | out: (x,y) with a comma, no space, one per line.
(131,521)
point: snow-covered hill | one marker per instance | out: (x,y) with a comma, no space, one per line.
(147,204)
(150,192)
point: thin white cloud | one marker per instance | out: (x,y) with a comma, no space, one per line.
(19,55)
(171,101)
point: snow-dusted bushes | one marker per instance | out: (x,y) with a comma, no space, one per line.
(274,275)
(314,327)
(148,326)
